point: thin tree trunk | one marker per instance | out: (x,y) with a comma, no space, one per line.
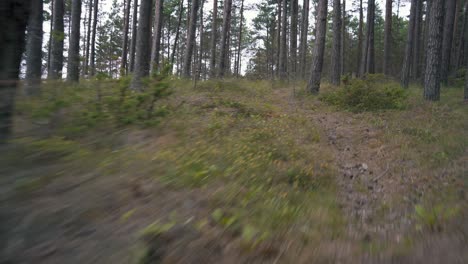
(367,60)
(239,46)
(360,38)
(190,39)
(214,29)
(34,49)
(73,67)
(387,36)
(49,48)
(224,38)
(123,64)
(450,6)
(417,41)
(283,47)
(293,37)
(434,51)
(405,73)
(141,69)
(313,85)
(335,77)
(88,37)
(200,56)
(278,39)
(58,36)
(134,35)
(179,23)
(343,39)
(13,20)
(304,33)
(426,37)
(157,35)
(92,56)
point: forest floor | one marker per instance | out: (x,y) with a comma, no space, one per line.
(233,172)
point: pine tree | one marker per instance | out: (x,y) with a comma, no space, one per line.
(156,49)
(405,73)
(313,85)
(447,38)
(335,77)
(34,49)
(224,38)
(142,47)
(73,67)
(58,36)
(388,36)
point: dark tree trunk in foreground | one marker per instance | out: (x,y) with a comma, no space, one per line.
(58,36)
(141,69)
(123,65)
(447,39)
(387,36)
(73,67)
(92,59)
(434,51)
(34,49)
(283,47)
(224,38)
(360,38)
(191,39)
(157,36)
(319,48)
(134,35)
(405,73)
(176,40)
(304,32)
(335,77)
(214,28)
(293,37)
(416,64)
(13,20)
(88,38)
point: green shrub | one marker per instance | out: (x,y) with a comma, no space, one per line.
(370,94)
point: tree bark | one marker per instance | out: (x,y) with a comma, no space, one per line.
(239,46)
(283,47)
(123,64)
(224,38)
(49,48)
(190,39)
(335,77)
(34,49)
(88,37)
(343,38)
(214,29)
(142,47)
(360,38)
(450,6)
(73,67)
(13,20)
(416,64)
(58,36)
(278,38)
(200,33)
(304,33)
(134,35)
(179,23)
(157,35)
(368,52)
(92,56)
(405,73)
(434,51)
(387,36)
(293,37)
(313,85)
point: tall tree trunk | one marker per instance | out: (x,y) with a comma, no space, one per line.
(416,64)
(304,33)
(319,48)
(58,36)
(387,36)
(293,37)
(34,49)
(142,47)
(434,51)
(450,6)
(239,44)
(426,37)
(463,37)
(88,37)
(157,35)
(335,77)
(200,33)
(49,48)
(13,20)
(190,39)
(343,39)
(278,38)
(92,56)
(73,67)
(284,47)
(214,29)
(360,38)
(134,35)
(224,38)
(405,73)
(179,23)
(367,60)
(123,65)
